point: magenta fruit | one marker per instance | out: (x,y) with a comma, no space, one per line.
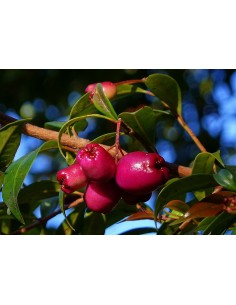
(109,89)
(71,178)
(102,197)
(140,172)
(97,164)
(135,198)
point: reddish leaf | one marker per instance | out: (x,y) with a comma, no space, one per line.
(218,197)
(140,215)
(177,205)
(204,209)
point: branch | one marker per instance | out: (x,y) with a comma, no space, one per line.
(75,143)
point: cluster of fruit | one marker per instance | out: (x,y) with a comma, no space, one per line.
(133,178)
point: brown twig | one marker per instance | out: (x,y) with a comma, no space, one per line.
(73,143)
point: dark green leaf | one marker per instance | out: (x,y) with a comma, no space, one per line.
(10,136)
(102,103)
(220,224)
(76,218)
(47,207)
(15,176)
(139,231)
(226,179)
(82,106)
(125,89)
(54,125)
(105,137)
(143,124)
(167,90)
(94,224)
(182,186)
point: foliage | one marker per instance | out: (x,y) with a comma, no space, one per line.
(200,200)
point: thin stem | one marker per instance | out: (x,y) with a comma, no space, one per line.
(191,133)
(129,82)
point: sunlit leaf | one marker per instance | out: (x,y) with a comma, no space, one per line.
(167,90)
(204,209)
(226,179)
(102,103)
(140,215)
(10,136)
(182,186)
(15,176)
(82,106)
(177,205)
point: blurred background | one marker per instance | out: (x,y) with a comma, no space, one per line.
(209,107)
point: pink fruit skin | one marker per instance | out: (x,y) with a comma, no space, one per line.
(108,87)
(97,164)
(71,178)
(102,197)
(140,172)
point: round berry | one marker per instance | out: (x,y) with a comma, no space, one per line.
(71,178)
(102,197)
(109,89)
(97,164)
(141,172)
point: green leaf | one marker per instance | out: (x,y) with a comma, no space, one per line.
(220,224)
(54,125)
(204,164)
(15,176)
(61,203)
(105,137)
(10,136)
(48,207)
(167,90)
(125,90)
(226,179)
(182,186)
(94,224)
(82,107)
(102,103)
(143,123)
(76,218)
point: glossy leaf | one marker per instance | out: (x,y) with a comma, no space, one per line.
(143,124)
(177,205)
(167,90)
(140,215)
(204,209)
(102,103)
(54,125)
(15,176)
(82,106)
(126,89)
(182,186)
(105,137)
(220,224)
(10,136)
(226,179)
(203,164)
